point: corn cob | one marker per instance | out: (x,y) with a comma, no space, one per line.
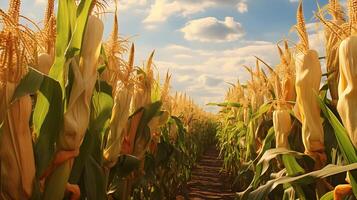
(308,77)
(16,152)
(346,89)
(76,117)
(282,126)
(281,116)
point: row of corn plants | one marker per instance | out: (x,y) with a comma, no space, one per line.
(78,120)
(290,131)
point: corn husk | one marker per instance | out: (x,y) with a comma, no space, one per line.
(45,62)
(17,164)
(282,127)
(76,118)
(157,122)
(119,119)
(308,77)
(347,86)
(16,154)
(307,84)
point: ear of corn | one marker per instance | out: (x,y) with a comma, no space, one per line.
(347,81)
(163,134)
(119,119)
(282,126)
(308,78)
(17,164)
(76,117)
(347,86)
(16,155)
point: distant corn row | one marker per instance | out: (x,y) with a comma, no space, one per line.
(275,140)
(80,121)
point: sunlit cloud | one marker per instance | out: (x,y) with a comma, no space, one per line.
(210,29)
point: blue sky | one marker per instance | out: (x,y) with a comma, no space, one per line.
(203,42)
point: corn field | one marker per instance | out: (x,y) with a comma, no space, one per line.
(288,134)
(80,120)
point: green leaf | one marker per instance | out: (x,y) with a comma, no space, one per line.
(262,110)
(226,104)
(102,86)
(344,142)
(81,160)
(143,135)
(100,120)
(125,165)
(292,166)
(75,44)
(164,152)
(63,35)
(94,180)
(102,104)
(273,153)
(181,132)
(327,196)
(47,125)
(29,84)
(260,170)
(262,192)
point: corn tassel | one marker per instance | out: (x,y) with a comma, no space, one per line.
(332,42)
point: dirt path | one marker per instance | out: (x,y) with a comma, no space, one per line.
(207,181)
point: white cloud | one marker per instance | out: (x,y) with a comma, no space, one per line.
(125,4)
(210,29)
(242,7)
(205,80)
(161,10)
